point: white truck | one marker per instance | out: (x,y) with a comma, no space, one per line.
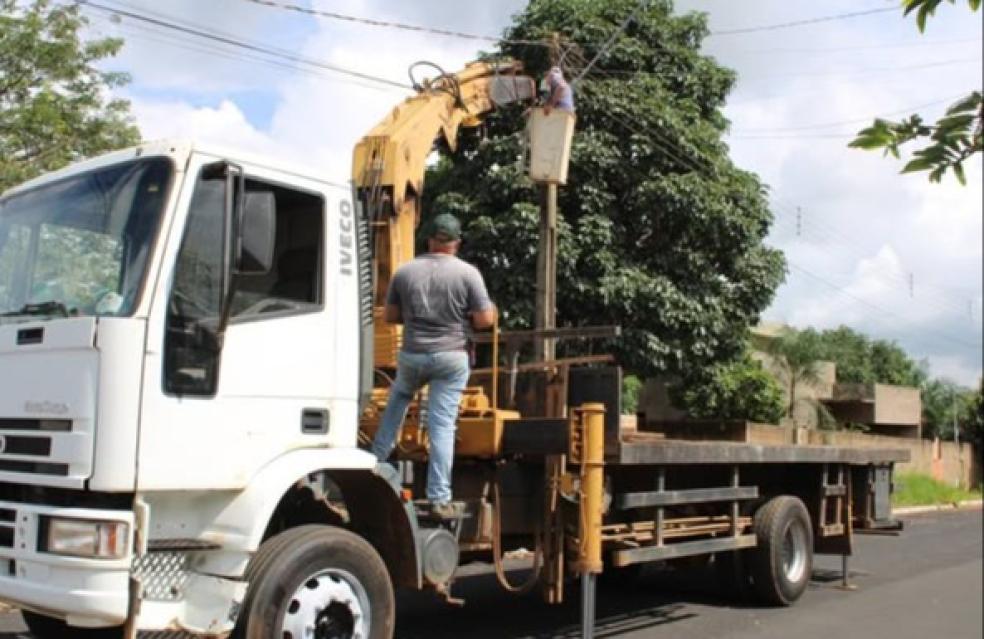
(187,369)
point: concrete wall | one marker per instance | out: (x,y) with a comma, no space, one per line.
(944,461)
(897,405)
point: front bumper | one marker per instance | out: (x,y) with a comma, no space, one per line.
(87,592)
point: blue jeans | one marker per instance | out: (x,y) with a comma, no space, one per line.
(446,373)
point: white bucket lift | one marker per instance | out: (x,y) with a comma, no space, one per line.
(550,145)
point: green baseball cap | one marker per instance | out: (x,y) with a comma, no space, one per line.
(447,226)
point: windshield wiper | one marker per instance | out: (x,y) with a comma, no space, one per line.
(44,308)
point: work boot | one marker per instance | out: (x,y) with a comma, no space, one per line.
(446,510)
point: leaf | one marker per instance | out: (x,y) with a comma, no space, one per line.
(919,164)
(968,103)
(974,4)
(910,5)
(868,143)
(958,170)
(924,12)
(952,123)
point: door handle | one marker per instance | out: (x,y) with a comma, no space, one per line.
(315,421)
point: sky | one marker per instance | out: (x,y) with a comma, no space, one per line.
(887,254)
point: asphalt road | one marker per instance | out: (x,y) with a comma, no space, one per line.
(923,584)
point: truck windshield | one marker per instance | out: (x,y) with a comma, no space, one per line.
(79,246)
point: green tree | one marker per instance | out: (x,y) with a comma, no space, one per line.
(973,418)
(53,104)
(892,365)
(796,356)
(954,138)
(742,389)
(862,360)
(660,232)
(944,403)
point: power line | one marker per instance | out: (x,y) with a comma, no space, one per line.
(611,40)
(861,47)
(243,44)
(829,234)
(389,24)
(148,33)
(874,307)
(827,125)
(799,23)
(869,71)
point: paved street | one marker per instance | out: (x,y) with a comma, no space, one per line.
(925,583)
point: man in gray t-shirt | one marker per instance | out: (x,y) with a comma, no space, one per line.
(439,299)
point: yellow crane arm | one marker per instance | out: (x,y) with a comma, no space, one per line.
(389,163)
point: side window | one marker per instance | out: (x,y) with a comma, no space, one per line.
(190,351)
(294,284)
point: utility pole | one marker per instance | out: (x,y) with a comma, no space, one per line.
(545,349)
(956,435)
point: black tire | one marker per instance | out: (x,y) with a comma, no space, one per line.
(304,557)
(781,564)
(43,627)
(267,552)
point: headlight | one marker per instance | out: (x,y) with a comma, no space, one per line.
(82,538)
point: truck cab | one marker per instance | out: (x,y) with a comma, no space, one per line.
(180,357)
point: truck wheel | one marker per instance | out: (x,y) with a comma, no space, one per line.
(782,562)
(322,582)
(43,627)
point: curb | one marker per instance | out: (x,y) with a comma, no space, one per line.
(916,510)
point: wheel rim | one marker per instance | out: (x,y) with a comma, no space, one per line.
(794,552)
(330,604)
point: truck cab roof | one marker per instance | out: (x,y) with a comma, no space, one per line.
(179,150)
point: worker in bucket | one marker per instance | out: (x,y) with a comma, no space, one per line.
(439,299)
(560,93)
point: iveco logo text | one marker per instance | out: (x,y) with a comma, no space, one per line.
(45,408)
(345,223)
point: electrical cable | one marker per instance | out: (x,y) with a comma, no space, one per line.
(799,23)
(242,44)
(862,47)
(879,309)
(390,24)
(830,234)
(142,32)
(643,4)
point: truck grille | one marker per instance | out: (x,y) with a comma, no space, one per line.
(36,468)
(29,445)
(57,425)
(8,519)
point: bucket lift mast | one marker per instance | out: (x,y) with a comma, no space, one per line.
(390,161)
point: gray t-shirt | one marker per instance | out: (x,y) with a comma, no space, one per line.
(437,293)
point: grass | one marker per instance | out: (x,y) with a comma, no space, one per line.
(913,489)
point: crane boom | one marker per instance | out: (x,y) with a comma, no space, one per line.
(389,163)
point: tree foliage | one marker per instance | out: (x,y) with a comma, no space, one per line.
(53,104)
(862,360)
(659,232)
(742,389)
(973,418)
(945,404)
(954,138)
(797,356)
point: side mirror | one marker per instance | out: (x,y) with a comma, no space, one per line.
(257,234)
